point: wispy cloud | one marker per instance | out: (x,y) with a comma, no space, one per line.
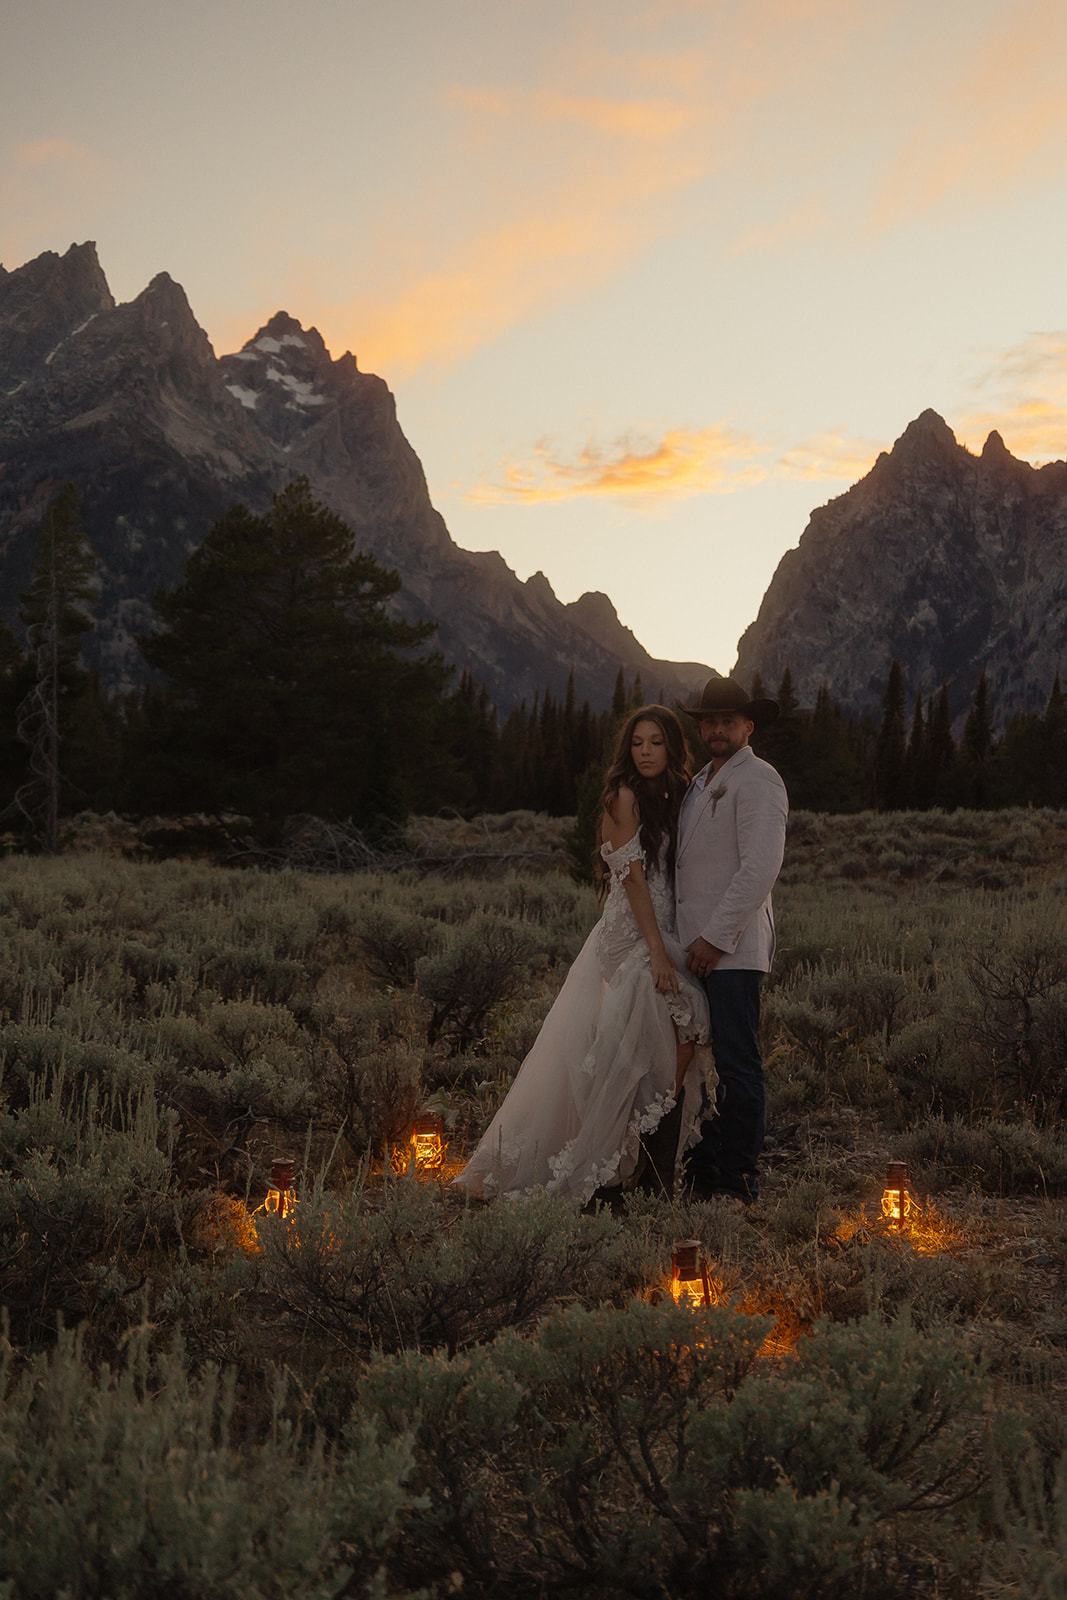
(679,463)
(555,187)
(799,223)
(655,118)
(485,284)
(1004,120)
(49,152)
(1022,393)
(587,174)
(44,184)
(827,456)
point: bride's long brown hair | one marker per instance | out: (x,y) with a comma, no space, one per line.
(659,799)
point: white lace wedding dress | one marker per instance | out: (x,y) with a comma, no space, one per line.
(601,1072)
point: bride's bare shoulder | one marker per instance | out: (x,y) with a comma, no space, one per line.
(621,819)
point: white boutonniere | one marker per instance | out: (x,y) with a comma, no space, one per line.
(716,795)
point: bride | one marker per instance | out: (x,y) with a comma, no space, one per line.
(612,1089)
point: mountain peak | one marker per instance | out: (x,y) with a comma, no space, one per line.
(161,437)
(929,431)
(43,303)
(946,562)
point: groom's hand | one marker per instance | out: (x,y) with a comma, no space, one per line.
(702,957)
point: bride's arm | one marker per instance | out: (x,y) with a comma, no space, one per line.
(618,826)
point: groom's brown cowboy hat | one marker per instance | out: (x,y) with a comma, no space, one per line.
(724,694)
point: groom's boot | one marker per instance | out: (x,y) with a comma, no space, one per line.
(661,1153)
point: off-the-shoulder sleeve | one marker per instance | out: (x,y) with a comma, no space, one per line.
(619,862)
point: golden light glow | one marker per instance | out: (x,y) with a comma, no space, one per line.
(281,1198)
(690,1283)
(899,1202)
(424,1152)
(427,1142)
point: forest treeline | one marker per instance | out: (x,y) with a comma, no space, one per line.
(283,684)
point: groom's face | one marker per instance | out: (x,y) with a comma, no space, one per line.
(725,733)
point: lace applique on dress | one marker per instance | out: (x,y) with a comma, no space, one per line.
(619,862)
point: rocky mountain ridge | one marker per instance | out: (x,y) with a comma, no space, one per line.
(946,561)
(159,436)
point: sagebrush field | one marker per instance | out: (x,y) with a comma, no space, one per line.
(397,1392)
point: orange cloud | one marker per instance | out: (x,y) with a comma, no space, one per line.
(488,283)
(682,463)
(555,236)
(579,174)
(1027,400)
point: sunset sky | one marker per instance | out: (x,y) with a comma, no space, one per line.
(650,279)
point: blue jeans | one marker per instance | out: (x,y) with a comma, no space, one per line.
(724,1162)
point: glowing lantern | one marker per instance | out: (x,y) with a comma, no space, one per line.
(900,1203)
(427,1140)
(689,1274)
(281,1193)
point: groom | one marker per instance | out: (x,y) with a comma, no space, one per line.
(730,843)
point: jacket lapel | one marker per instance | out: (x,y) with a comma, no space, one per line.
(697,804)
(694,809)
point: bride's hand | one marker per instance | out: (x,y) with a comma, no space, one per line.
(664,975)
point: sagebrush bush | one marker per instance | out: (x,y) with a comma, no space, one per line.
(476,970)
(648,1452)
(119,1484)
(167,1029)
(392,1270)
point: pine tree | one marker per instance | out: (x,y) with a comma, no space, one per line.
(1055,735)
(833,767)
(977,744)
(618,699)
(942,757)
(782,743)
(13,673)
(53,611)
(787,696)
(917,789)
(889,761)
(290,686)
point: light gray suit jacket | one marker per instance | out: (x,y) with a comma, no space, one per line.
(729,855)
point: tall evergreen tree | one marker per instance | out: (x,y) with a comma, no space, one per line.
(889,761)
(618,699)
(782,743)
(917,788)
(942,757)
(1055,733)
(832,775)
(13,753)
(976,746)
(54,612)
(290,686)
